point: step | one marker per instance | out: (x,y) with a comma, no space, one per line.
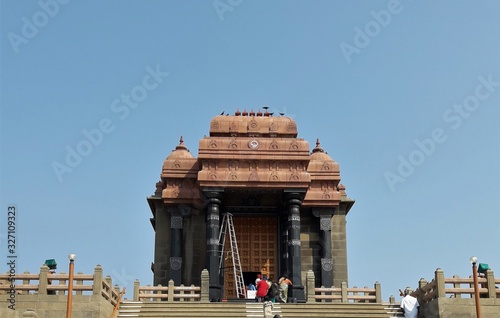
(253,310)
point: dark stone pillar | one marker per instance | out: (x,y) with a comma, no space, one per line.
(285,260)
(176,222)
(292,203)
(325,221)
(161,222)
(213,246)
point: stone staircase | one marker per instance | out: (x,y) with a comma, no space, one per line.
(254,310)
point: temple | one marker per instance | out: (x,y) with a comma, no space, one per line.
(288,205)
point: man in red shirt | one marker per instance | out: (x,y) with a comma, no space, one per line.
(262,287)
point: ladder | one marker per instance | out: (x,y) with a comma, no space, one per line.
(227,225)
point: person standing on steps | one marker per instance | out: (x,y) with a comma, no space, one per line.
(409,304)
(262,288)
(284,282)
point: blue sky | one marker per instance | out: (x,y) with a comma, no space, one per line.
(403,94)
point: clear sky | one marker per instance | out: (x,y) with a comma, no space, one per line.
(403,94)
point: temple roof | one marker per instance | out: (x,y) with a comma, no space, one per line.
(318,154)
(253,124)
(180,152)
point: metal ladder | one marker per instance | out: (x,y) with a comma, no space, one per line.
(227,225)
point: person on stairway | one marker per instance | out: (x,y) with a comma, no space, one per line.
(284,282)
(262,288)
(409,304)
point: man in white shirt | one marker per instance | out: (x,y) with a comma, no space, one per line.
(409,305)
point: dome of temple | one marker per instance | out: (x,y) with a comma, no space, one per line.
(320,159)
(180,152)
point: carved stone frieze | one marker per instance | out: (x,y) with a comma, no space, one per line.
(294,145)
(212,241)
(254,176)
(325,223)
(175,263)
(213,217)
(233,144)
(294,243)
(176,222)
(274,145)
(253,125)
(327,264)
(215,125)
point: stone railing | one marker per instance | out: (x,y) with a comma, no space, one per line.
(456,287)
(46,283)
(171,292)
(343,294)
(200,293)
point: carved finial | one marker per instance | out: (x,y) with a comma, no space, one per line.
(237,112)
(181,145)
(318,147)
(252,113)
(245,113)
(259,113)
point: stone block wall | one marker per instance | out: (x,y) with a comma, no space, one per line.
(311,248)
(194,252)
(460,308)
(54,306)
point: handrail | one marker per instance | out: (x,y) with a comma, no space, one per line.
(455,287)
(46,283)
(117,303)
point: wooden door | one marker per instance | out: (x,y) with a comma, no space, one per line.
(256,237)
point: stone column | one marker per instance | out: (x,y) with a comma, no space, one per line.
(162,228)
(176,222)
(292,203)
(325,221)
(339,247)
(283,241)
(213,247)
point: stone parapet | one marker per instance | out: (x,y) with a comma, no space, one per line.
(54,306)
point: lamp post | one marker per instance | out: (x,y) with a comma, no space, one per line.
(70,284)
(473,260)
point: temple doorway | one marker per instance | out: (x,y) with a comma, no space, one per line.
(258,248)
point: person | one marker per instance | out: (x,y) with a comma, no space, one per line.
(273,290)
(262,288)
(284,282)
(251,286)
(257,279)
(409,304)
(268,307)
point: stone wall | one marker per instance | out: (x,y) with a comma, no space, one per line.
(194,247)
(460,308)
(311,248)
(54,306)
